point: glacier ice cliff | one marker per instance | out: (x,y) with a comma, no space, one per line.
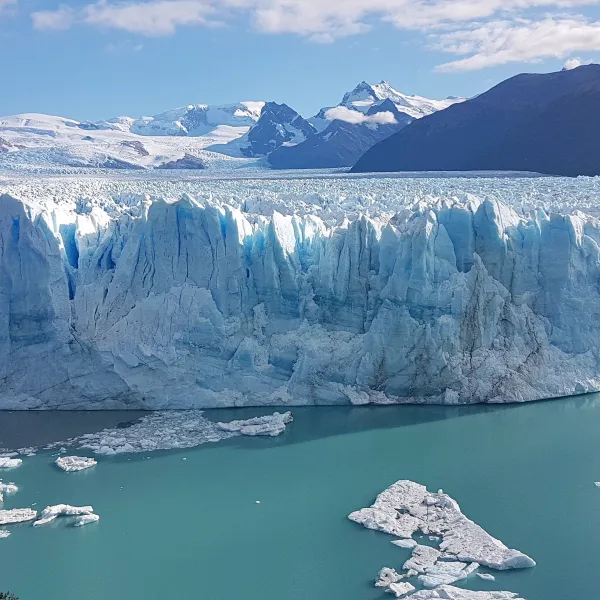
(196,303)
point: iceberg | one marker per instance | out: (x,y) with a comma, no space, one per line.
(407,507)
(17,515)
(201,302)
(7,488)
(74,463)
(50,513)
(10,463)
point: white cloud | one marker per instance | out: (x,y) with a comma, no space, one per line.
(341,113)
(62,18)
(572,63)
(502,42)
(482,32)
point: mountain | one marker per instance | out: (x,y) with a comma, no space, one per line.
(545,123)
(277,126)
(192,120)
(367,115)
(202,136)
(341,144)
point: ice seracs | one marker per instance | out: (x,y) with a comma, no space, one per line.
(50,513)
(262,301)
(75,463)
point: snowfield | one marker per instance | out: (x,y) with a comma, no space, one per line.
(172,292)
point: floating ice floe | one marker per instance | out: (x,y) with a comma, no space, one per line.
(486,576)
(4,533)
(448,592)
(167,430)
(387,576)
(7,462)
(447,572)
(86,519)
(400,589)
(271,425)
(407,507)
(7,488)
(410,543)
(75,463)
(50,513)
(17,515)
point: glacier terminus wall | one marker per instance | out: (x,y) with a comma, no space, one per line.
(198,303)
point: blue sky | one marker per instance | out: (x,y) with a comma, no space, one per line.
(101,59)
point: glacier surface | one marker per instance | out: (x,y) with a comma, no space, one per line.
(237,293)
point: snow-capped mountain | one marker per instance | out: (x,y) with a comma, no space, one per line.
(542,122)
(279,125)
(367,115)
(215,136)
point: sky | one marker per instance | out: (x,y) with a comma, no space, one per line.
(99,59)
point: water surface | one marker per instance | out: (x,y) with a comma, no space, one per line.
(190,529)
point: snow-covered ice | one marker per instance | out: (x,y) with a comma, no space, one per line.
(297,291)
(407,507)
(75,463)
(17,515)
(50,513)
(10,463)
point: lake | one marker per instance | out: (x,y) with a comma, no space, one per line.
(175,529)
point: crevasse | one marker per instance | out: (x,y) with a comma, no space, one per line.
(188,304)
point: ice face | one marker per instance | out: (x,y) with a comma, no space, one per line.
(198,303)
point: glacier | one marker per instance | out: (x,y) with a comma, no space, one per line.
(206,301)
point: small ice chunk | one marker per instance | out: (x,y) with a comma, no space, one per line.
(4,533)
(75,463)
(486,576)
(434,538)
(597,483)
(7,488)
(412,573)
(85,519)
(410,543)
(10,463)
(52,512)
(400,589)
(386,577)
(17,515)
(257,501)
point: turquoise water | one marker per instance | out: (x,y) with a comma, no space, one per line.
(184,530)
